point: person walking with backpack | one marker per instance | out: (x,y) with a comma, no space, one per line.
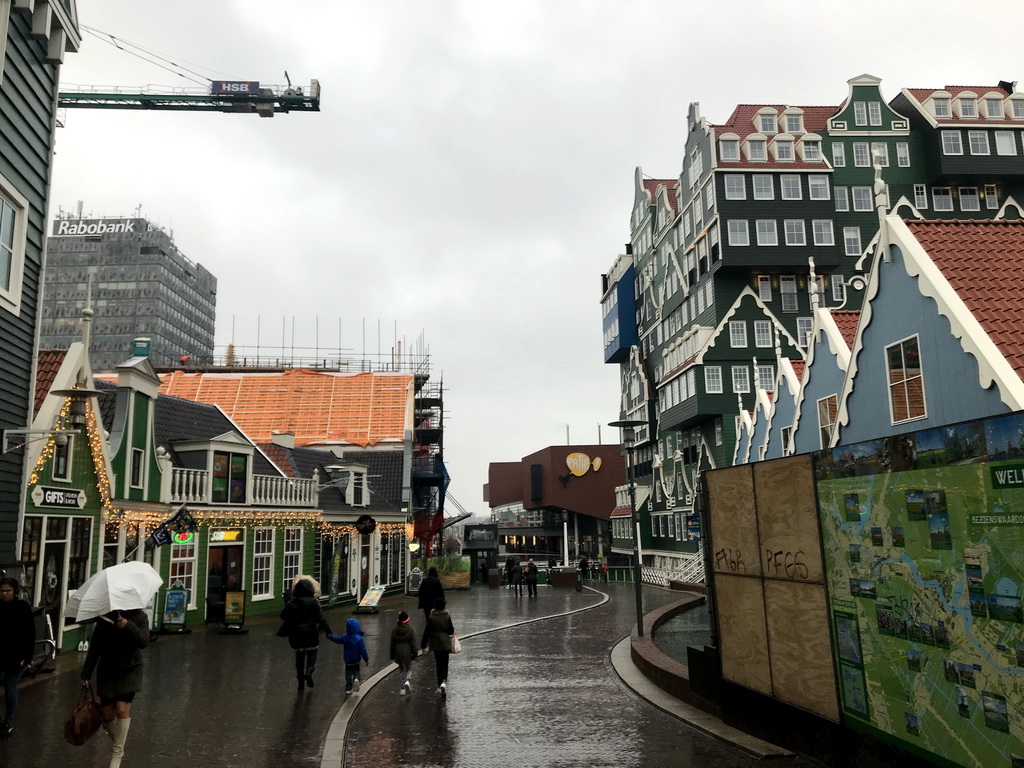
(403,651)
(355,649)
(303,622)
(438,637)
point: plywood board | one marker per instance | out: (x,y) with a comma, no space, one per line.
(787,520)
(733,519)
(742,634)
(802,669)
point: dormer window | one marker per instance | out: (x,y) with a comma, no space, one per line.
(729,150)
(794,123)
(757,150)
(811,150)
(940,106)
(229,484)
(994,109)
(784,150)
(351,482)
(968,106)
(1017,109)
(766,123)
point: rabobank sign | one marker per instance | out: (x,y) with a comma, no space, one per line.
(70,227)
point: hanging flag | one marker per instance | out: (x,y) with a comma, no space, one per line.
(180,522)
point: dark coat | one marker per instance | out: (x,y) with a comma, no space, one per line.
(430,590)
(116,655)
(517,574)
(530,573)
(403,644)
(438,632)
(303,622)
(17,634)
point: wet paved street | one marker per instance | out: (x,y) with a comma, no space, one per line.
(534,694)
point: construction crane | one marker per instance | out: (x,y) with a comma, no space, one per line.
(238,96)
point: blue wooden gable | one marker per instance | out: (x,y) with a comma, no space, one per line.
(824,376)
(787,389)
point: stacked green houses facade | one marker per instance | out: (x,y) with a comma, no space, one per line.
(709,311)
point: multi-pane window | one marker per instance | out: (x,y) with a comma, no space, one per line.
(784,151)
(804,325)
(906,380)
(823,233)
(903,154)
(968,106)
(851,241)
(817,186)
(828,408)
(795,234)
(766,377)
(230,478)
(764,287)
(842,198)
(787,287)
(757,150)
(767,123)
(951,143)
(183,567)
(790,185)
(713,379)
(812,150)
(940,106)
(861,198)
(738,232)
(62,457)
(875,113)
(921,196)
(709,196)
(942,199)
(880,153)
(794,123)
(860,113)
(735,186)
(839,155)
(994,108)
(718,441)
(838,289)
(978,142)
(729,150)
(766,232)
(737,334)
(135,474)
(862,154)
(292,553)
(1017,108)
(1005,143)
(12,250)
(764,186)
(740,378)
(969,199)
(991,197)
(262,562)
(762,333)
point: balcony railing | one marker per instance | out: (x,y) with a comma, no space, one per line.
(192,486)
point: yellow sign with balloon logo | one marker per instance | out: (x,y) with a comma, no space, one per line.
(579,463)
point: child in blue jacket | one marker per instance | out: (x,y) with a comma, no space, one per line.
(355,649)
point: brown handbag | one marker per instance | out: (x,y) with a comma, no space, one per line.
(85,720)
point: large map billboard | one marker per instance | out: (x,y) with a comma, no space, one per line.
(923,538)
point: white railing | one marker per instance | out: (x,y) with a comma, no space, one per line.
(192,486)
(691,572)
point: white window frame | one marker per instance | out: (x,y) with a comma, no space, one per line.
(992,197)
(968,107)
(735,186)
(862,199)
(996,113)
(860,113)
(1017,109)
(787,190)
(838,289)
(740,379)
(861,154)
(66,448)
(969,199)
(822,232)
(921,197)
(978,143)
(262,563)
(942,199)
(838,155)
(712,379)
(763,334)
(851,241)
(890,384)
(183,567)
(761,155)
(738,334)
(757,185)
(826,427)
(880,153)
(874,113)
(739,236)
(13,239)
(804,327)
(1006,143)
(292,561)
(903,154)
(812,150)
(767,232)
(952,143)
(841,195)
(817,187)
(794,122)
(787,290)
(767,123)
(941,106)
(137,460)
(784,152)
(796,232)
(729,150)
(764,287)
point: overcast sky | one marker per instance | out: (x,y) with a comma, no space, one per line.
(470,174)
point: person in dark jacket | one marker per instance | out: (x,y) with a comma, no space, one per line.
(509,565)
(517,579)
(355,649)
(438,638)
(430,590)
(115,653)
(17,643)
(530,577)
(403,651)
(303,622)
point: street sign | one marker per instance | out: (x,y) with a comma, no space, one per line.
(370,599)
(175,607)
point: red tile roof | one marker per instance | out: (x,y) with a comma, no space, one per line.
(798,368)
(741,122)
(846,321)
(923,94)
(651,185)
(984,263)
(50,361)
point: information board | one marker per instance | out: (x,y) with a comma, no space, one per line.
(370,599)
(175,607)
(234,607)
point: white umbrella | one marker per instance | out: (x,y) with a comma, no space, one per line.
(121,587)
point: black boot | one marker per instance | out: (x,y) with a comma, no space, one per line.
(310,666)
(302,684)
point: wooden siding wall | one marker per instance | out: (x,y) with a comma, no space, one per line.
(27,104)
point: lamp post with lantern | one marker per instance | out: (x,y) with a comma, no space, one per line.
(627,427)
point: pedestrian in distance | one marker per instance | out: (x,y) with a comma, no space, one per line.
(355,650)
(530,577)
(403,651)
(517,579)
(430,590)
(584,567)
(483,572)
(115,654)
(438,638)
(303,622)
(510,563)
(17,643)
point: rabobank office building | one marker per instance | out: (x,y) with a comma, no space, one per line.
(139,285)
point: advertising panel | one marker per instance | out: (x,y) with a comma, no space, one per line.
(923,537)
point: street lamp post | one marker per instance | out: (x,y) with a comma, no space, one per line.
(628,442)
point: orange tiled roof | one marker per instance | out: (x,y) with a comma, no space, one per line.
(846,321)
(359,409)
(50,361)
(984,263)
(651,185)
(798,368)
